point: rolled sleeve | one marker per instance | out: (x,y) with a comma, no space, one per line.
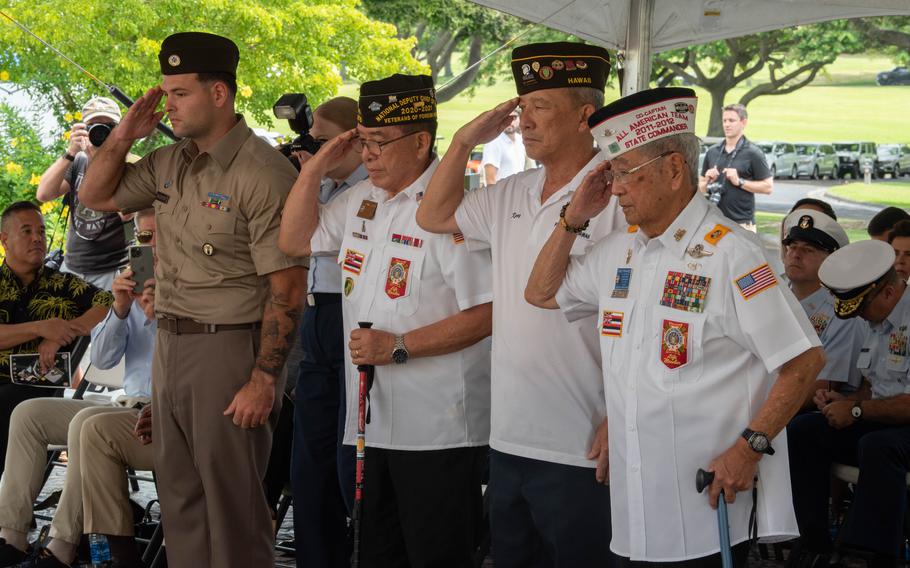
(109,340)
(262,207)
(469,274)
(326,240)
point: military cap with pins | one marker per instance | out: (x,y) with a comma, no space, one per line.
(854,272)
(198,52)
(561,64)
(816,228)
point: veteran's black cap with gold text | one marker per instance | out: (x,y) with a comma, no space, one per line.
(399,99)
(198,52)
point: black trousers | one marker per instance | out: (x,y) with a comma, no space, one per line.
(740,560)
(322,468)
(10,396)
(545,514)
(422,509)
(881,451)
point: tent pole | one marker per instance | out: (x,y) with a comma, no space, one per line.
(638,47)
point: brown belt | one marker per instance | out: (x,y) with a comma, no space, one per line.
(180,325)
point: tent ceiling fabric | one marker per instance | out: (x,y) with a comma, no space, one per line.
(678,23)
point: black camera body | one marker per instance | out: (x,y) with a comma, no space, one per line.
(294,108)
(98,133)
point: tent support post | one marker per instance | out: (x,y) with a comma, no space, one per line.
(637,74)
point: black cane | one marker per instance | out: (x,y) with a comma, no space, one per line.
(703,479)
(365,374)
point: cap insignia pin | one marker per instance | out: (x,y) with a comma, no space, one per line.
(173,60)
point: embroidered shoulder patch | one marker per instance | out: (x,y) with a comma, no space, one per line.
(756,281)
(716,234)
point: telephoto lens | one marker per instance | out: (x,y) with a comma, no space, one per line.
(98,133)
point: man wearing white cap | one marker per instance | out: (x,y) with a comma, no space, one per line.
(548,504)
(706,357)
(95,241)
(869,428)
(809,237)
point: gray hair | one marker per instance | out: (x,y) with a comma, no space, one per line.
(587,96)
(686,144)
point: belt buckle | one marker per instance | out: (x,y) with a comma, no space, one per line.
(311,300)
(210,327)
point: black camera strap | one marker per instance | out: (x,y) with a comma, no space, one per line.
(732,155)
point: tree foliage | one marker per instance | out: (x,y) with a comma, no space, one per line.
(891,34)
(786,59)
(285,46)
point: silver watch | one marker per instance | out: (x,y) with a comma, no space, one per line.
(399,351)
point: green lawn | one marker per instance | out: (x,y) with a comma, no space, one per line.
(769,224)
(843,103)
(896,194)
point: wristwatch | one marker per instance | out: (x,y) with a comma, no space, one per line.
(400,352)
(758,441)
(857,410)
(70,157)
(742,183)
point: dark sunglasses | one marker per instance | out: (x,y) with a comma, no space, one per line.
(144,237)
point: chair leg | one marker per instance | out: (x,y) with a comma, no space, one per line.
(51,458)
(154,546)
(134,483)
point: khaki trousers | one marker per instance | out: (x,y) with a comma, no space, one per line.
(35,424)
(210,472)
(108,448)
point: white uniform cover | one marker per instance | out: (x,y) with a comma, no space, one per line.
(547,395)
(691,340)
(679,23)
(401,278)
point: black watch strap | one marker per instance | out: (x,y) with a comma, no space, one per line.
(69,157)
(758,441)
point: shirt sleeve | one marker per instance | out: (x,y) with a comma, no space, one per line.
(329,233)
(769,316)
(476,213)
(109,339)
(468,273)
(578,296)
(760,169)
(262,206)
(85,295)
(138,186)
(492,154)
(842,343)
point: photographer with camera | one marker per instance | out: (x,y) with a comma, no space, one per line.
(95,241)
(322,468)
(735,170)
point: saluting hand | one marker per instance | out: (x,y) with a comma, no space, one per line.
(141,118)
(734,471)
(329,155)
(487,126)
(600,451)
(592,196)
(253,403)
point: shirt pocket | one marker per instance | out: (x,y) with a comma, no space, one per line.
(353,257)
(613,327)
(897,366)
(399,279)
(676,340)
(218,238)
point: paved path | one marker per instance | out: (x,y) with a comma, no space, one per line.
(787,192)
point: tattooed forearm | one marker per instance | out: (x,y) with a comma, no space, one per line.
(280,318)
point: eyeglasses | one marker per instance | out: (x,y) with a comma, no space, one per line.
(617,176)
(145,237)
(375,148)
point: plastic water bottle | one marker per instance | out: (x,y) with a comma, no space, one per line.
(100,551)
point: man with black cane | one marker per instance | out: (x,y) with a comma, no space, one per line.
(429,301)
(705,356)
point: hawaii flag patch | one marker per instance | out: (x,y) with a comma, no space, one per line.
(756,281)
(611,326)
(353,261)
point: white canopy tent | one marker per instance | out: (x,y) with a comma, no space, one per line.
(643,27)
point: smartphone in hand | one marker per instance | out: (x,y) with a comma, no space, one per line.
(142,263)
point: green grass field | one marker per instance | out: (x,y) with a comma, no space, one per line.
(896,194)
(843,103)
(769,224)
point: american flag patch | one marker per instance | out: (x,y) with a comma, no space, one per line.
(759,279)
(353,261)
(457,238)
(612,324)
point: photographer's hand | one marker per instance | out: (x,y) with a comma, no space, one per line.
(141,118)
(78,139)
(712,174)
(732,176)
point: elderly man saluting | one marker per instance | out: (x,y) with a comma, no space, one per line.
(706,357)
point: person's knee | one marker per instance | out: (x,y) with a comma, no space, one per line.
(804,429)
(93,435)
(878,449)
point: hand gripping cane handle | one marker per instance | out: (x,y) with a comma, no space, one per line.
(703,479)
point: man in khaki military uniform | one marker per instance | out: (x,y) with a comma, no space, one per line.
(218,194)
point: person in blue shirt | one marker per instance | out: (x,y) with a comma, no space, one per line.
(127,332)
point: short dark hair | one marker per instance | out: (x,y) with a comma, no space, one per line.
(823,205)
(901,229)
(738,109)
(885,220)
(16,207)
(226,78)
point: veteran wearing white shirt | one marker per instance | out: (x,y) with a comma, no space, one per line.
(706,357)
(548,432)
(428,298)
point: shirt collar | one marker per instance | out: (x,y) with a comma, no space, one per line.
(7,274)
(537,189)
(897,316)
(224,150)
(685,226)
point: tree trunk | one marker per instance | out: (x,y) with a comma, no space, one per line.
(436,50)
(716,120)
(464,81)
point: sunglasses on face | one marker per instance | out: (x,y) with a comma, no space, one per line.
(145,237)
